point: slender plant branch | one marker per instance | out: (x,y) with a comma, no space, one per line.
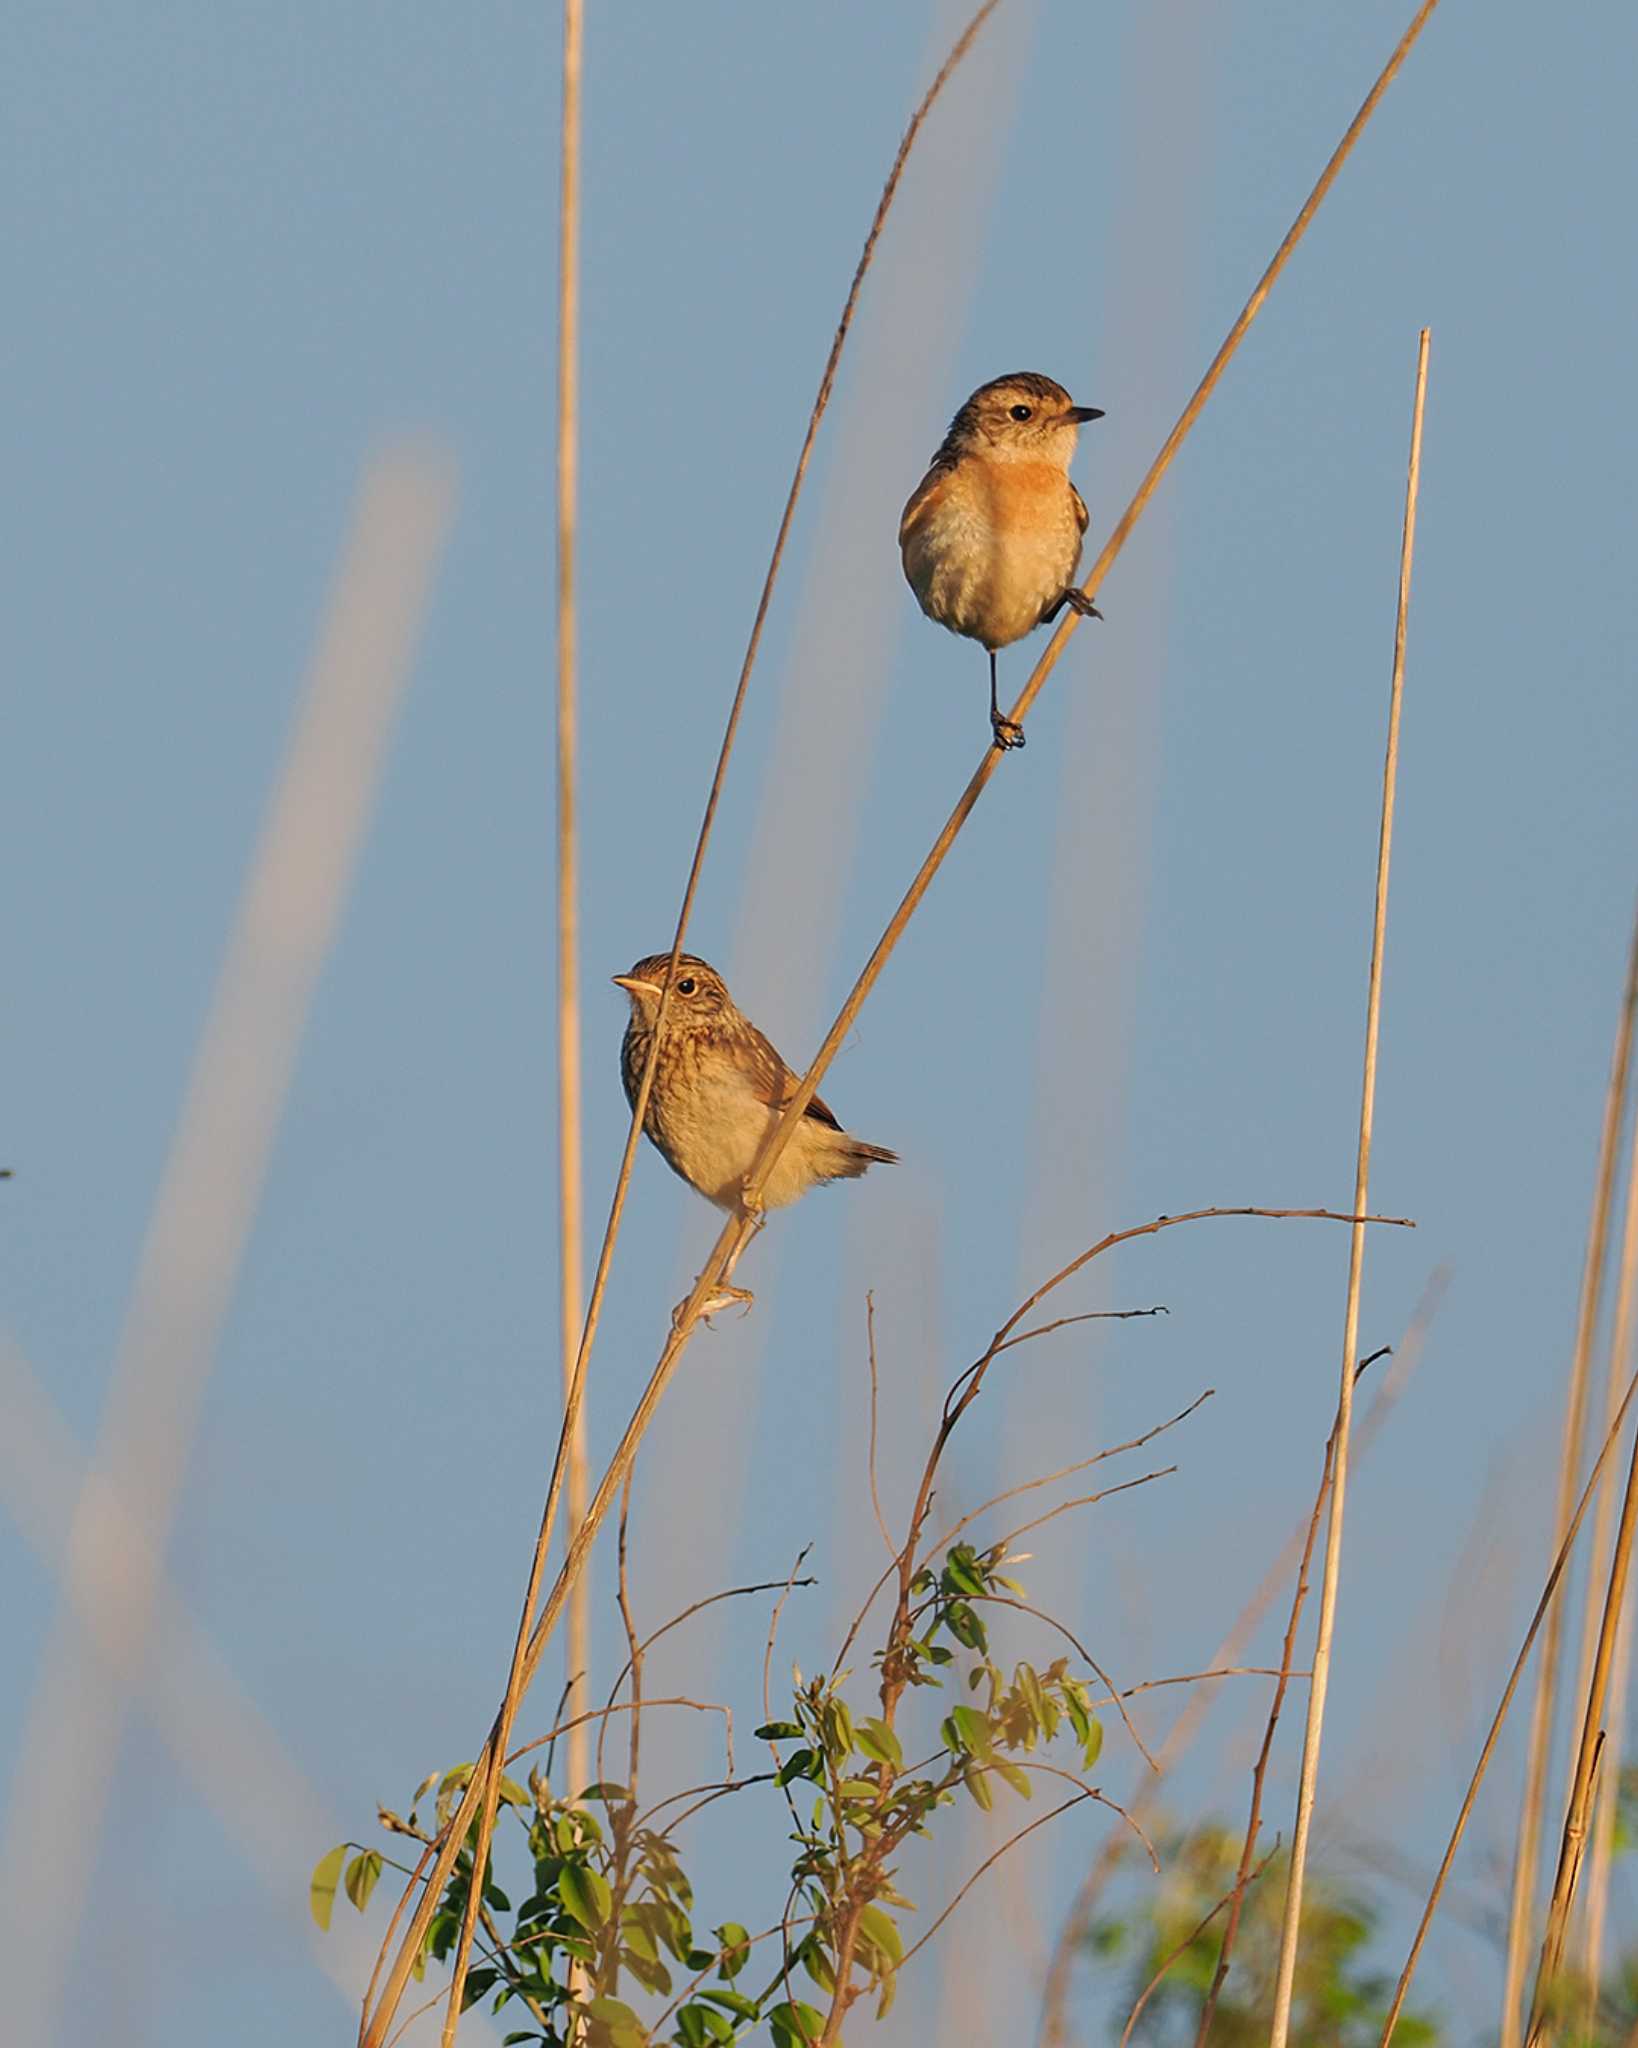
(1543,1605)
(737,1232)
(1259,1774)
(870,1455)
(1243,1882)
(374,2023)
(1291,1930)
(1544,1706)
(1054,1999)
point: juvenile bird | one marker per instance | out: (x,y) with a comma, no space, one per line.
(991,537)
(719,1087)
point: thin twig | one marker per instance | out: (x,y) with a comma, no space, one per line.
(1082,1500)
(738,1230)
(1259,1774)
(1494,1736)
(1544,1707)
(482,1793)
(870,1459)
(1135,1443)
(1054,1999)
(1243,1882)
(1313,1730)
(1596,1890)
(1586,1762)
(1012,1842)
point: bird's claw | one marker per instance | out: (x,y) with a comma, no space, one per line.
(1078,601)
(715,1302)
(1008,733)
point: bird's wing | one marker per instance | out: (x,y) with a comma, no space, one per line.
(1083,518)
(922,498)
(774,1082)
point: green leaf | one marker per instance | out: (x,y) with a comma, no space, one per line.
(961,1573)
(607,1792)
(873,1738)
(513,1793)
(966,1731)
(965,1626)
(511,2040)
(736,2002)
(1014,1777)
(477,1983)
(615,2024)
(882,1935)
(361,1877)
(801,1763)
(321,1889)
(815,1958)
(1094,1743)
(585,1894)
(735,1943)
(978,1785)
(778,1731)
(795,2025)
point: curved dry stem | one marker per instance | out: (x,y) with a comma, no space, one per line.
(373,2024)
(1135,1443)
(1402,1989)
(1241,1886)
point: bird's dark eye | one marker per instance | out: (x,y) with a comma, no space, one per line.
(687,985)
(1020,412)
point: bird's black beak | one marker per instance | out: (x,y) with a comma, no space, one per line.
(1080,414)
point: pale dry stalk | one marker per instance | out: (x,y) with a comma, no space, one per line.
(1290,1931)
(569,1180)
(484,1788)
(1470,1797)
(737,1232)
(1526,1854)
(1595,1893)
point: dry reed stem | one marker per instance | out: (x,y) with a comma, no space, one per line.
(1493,1737)
(569,1181)
(1586,1762)
(1243,1882)
(569,1178)
(372,2026)
(1595,1892)
(285,921)
(1055,1991)
(1314,1727)
(737,1233)
(1259,1774)
(1526,1853)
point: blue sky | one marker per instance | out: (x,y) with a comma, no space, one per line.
(251,246)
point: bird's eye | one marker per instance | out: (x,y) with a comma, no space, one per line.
(1020,412)
(687,985)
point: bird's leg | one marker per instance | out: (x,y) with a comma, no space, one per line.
(1077,601)
(1007,733)
(722,1295)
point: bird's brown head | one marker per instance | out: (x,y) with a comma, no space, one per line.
(699,996)
(1022,417)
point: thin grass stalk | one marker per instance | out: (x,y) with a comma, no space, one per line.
(738,1230)
(1470,1798)
(374,2023)
(570,1254)
(1595,1892)
(1527,1848)
(1597,1888)
(1259,1773)
(1587,1761)
(569,1183)
(1313,1731)
(1077,1922)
